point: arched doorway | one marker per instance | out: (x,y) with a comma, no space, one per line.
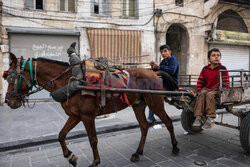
(177,39)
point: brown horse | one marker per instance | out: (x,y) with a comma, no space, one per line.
(85,108)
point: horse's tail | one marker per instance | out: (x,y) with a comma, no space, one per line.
(168,82)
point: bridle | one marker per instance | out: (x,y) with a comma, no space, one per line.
(15,77)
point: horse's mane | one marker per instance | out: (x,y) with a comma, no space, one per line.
(52,61)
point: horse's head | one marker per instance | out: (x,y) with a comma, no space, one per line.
(16,87)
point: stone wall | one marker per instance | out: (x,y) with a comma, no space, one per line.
(17,15)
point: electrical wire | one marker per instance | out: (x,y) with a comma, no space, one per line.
(81,21)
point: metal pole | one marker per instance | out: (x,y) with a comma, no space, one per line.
(125,90)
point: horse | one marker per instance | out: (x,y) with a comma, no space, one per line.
(52,75)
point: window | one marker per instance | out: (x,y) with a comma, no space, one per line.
(101,7)
(67,5)
(35,4)
(129,8)
(179,3)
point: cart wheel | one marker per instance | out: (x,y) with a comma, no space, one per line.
(245,133)
(187,119)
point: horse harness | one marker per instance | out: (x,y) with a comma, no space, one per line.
(15,77)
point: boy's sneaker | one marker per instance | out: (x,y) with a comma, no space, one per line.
(197,121)
(151,122)
(209,124)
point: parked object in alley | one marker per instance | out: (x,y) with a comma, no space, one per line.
(52,75)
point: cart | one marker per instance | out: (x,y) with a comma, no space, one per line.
(238,94)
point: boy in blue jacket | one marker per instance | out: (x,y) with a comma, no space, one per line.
(170,65)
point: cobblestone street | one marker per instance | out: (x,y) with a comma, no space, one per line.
(219,147)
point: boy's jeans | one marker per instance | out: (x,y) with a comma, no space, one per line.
(150,115)
(205,103)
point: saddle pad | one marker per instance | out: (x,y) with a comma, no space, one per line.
(107,80)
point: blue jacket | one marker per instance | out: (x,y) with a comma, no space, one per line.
(171,67)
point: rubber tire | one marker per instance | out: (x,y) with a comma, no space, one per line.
(187,119)
(245,133)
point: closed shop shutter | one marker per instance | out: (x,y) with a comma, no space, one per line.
(233,57)
(117,45)
(41,45)
(47,46)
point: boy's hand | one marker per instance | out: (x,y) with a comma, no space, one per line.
(155,66)
(152,63)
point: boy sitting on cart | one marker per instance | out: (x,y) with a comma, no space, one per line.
(207,88)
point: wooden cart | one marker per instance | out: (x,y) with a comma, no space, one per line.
(237,94)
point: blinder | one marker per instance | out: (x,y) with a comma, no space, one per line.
(11,76)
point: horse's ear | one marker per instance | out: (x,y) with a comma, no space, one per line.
(73,45)
(13,58)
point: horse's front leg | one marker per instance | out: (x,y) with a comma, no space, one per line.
(89,123)
(139,111)
(70,124)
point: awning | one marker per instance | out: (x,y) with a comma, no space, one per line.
(116,45)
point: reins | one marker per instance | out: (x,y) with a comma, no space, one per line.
(49,83)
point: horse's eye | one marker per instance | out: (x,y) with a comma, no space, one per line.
(5,74)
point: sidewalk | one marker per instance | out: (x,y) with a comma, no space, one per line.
(27,127)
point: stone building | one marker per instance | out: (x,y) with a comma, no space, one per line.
(126,31)
(190,28)
(121,30)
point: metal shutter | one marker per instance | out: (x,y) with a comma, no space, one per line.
(48,46)
(233,57)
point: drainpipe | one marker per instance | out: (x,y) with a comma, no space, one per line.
(158,14)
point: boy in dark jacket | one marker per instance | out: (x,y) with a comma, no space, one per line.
(170,65)
(207,88)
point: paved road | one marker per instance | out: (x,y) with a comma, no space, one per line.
(24,126)
(219,147)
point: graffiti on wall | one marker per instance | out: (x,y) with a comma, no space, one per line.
(48,51)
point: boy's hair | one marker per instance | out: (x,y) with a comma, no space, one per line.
(213,50)
(164,46)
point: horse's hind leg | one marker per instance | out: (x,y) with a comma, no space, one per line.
(89,124)
(70,124)
(157,106)
(139,111)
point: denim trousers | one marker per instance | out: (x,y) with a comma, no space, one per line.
(151,115)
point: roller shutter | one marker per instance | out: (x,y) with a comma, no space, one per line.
(41,45)
(233,57)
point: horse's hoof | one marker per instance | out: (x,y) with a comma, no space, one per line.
(175,150)
(141,153)
(134,158)
(73,161)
